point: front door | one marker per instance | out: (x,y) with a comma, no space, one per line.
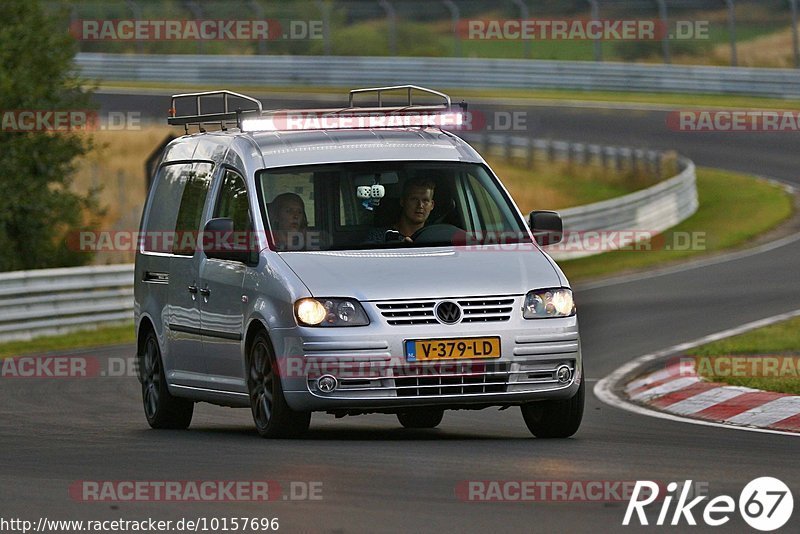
(183,313)
(222,307)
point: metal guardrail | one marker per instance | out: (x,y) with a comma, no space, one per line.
(53,301)
(590,229)
(639,215)
(529,149)
(341,71)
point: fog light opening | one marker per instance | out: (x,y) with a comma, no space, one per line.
(327,383)
(563,374)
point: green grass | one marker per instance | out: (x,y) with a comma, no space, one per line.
(583,50)
(352,34)
(734,208)
(559,185)
(778,339)
(111,335)
(535,96)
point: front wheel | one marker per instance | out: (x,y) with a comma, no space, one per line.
(161,409)
(271,414)
(421,418)
(555,418)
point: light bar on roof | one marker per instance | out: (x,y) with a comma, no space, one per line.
(313,120)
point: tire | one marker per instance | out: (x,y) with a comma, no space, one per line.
(555,418)
(421,418)
(271,414)
(161,409)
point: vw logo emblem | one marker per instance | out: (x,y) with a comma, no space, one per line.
(448,312)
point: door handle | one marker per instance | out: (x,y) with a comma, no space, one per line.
(205,292)
(192,289)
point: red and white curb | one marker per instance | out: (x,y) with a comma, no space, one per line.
(677,394)
(678,390)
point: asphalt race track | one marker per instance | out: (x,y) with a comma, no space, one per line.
(378,477)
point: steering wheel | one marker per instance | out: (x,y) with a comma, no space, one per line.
(436,233)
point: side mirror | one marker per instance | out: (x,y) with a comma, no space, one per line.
(221,243)
(546,226)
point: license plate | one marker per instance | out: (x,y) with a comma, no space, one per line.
(424,350)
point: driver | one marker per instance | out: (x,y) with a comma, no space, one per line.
(416,202)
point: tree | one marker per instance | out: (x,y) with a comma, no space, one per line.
(37,209)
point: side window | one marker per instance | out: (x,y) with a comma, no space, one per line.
(233,201)
(187,225)
(490,217)
(177,205)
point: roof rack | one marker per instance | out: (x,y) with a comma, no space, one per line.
(255,114)
(199,118)
(408,88)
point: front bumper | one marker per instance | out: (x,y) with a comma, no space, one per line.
(372,373)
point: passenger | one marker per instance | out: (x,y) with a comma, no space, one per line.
(416,203)
(287,214)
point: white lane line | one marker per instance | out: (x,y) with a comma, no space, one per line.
(768,413)
(668,387)
(689,265)
(706,399)
(605,388)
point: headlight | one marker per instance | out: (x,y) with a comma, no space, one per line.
(330,312)
(544,303)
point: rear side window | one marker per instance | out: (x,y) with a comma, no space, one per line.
(177,208)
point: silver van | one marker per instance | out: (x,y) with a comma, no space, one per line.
(354,260)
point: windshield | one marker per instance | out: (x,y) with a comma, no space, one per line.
(386,205)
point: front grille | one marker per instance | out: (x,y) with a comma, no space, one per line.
(475,310)
(427,380)
(401,313)
(447,378)
(486,310)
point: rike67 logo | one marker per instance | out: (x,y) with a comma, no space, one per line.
(765,504)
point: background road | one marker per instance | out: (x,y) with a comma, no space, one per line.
(378,477)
